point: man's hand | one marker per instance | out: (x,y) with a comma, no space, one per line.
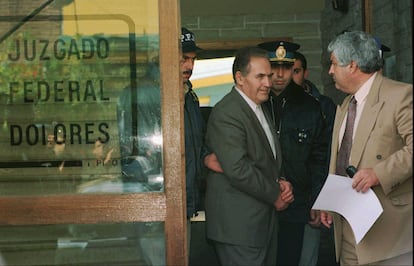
(211,162)
(280,205)
(286,196)
(364,179)
(315,218)
(326,218)
(287,191)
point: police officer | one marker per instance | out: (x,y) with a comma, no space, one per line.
(304,141)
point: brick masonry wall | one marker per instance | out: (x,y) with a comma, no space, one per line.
(304,29)
(391,22)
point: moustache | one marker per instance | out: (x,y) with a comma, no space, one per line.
(188,72)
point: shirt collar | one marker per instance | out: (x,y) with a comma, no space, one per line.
(187,86)
(363,91)
(252,104)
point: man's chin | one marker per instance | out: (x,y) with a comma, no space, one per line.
(186,78)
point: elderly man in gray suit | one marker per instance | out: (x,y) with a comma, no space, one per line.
(241,201)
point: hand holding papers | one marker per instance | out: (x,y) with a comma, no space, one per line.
(361,210)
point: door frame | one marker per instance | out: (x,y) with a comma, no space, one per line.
(167,206)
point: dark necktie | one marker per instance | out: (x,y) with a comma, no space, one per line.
(342,160)
(280,102)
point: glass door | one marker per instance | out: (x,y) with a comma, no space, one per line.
(90,172)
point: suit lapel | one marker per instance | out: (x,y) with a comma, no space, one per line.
(339,117)
(368,119)
(274,135)
(252,116)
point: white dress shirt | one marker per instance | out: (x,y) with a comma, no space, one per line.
(257,109)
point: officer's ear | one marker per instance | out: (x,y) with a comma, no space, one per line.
(306,73)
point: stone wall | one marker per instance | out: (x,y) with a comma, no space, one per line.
(396,32)
(391,22)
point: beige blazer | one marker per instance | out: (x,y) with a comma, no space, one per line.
(383,141)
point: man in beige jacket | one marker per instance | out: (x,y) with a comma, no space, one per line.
(382,152)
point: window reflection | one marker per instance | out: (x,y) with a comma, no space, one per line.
(80,105)
(139,123)
(88,244)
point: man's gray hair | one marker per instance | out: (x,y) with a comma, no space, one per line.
(359,47)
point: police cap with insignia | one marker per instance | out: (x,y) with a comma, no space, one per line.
(188,41)
(280,52)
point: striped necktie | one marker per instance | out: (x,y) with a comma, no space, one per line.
(342,160)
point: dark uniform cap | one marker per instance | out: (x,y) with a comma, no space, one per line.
(188,41)
(280,52)
(381,47)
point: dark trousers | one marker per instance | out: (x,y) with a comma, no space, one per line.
(229,254)
(290,239)
(236,255)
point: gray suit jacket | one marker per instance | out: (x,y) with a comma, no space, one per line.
(239,203)
(383,141)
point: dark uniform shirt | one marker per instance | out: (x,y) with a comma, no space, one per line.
(305,142)
(195,150)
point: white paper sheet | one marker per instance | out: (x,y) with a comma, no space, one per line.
(361,210)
